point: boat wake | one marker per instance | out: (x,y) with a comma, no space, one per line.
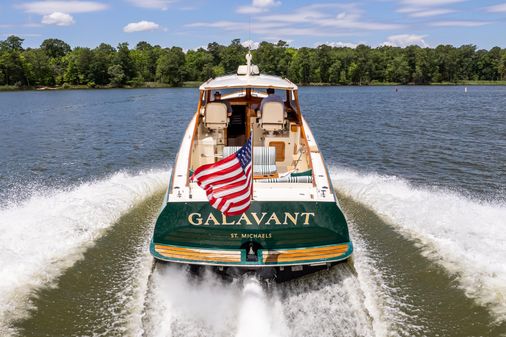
(344,298)
(464,236)
(47,233)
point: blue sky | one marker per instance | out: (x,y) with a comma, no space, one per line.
(194,23)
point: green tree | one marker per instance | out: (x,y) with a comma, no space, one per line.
(145,56)
(216,51)
(11,62)
(79,70)
(199,65)
(501,68)
(324,61)
(55,48)
(116,74)
(170,66)
(124,59)
(232,56)
(54,63)
(103,57)
(398,70)
(334,72)
(37,67)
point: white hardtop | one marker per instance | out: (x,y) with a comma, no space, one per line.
(245,81)
(248,76)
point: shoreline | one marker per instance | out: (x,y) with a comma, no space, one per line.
(193,84)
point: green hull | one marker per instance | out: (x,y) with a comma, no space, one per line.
(284,233)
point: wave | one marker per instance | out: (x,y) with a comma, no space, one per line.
(345,298)
(465,236)
(47,233)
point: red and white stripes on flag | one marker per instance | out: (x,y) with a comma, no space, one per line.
(228,183)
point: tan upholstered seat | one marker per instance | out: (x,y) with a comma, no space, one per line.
(216,116)
(272,116)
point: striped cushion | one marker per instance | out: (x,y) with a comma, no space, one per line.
(288,179)
(264,158)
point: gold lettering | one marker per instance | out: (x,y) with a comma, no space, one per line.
(212,218)
(256,235)
(307,215)
(191,219)
(224,220)
(275,218)
(245,218)
(292,218)
(257,220)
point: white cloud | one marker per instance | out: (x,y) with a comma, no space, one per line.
(497,8)
(339,44)
(348,17)
(21,34)
(426,8)
(270,30)
(312,20)
(152,4)
(266,3)
(428,3)
(251,44)
(431,12)
(249,10)
(404,40)
(49,7)
(460,23)
(258,6)
(140,26)
(58,18)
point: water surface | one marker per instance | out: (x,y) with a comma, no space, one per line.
(420,172)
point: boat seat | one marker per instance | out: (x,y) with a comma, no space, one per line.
(264,158)
(272,116)
(215,116)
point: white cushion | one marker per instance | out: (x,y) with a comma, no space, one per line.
(264,158)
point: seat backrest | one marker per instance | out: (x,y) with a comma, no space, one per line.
(272,116)
(216,116)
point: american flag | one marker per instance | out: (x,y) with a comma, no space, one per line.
(228,182)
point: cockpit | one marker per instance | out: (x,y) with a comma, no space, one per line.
(233,108)
(275,125)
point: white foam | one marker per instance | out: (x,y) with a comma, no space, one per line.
(141,271)
(258,315)
(327,303)
(467,237)
(180,306)
(46,234)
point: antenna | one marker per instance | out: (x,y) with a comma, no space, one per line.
(249,33)
(248,62)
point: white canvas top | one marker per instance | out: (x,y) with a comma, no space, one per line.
(252,81)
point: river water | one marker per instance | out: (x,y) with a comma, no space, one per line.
(420,173)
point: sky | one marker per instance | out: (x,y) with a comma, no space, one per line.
(194,23)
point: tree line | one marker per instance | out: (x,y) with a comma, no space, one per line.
(55,63)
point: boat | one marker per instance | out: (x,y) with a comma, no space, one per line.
(294,224)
